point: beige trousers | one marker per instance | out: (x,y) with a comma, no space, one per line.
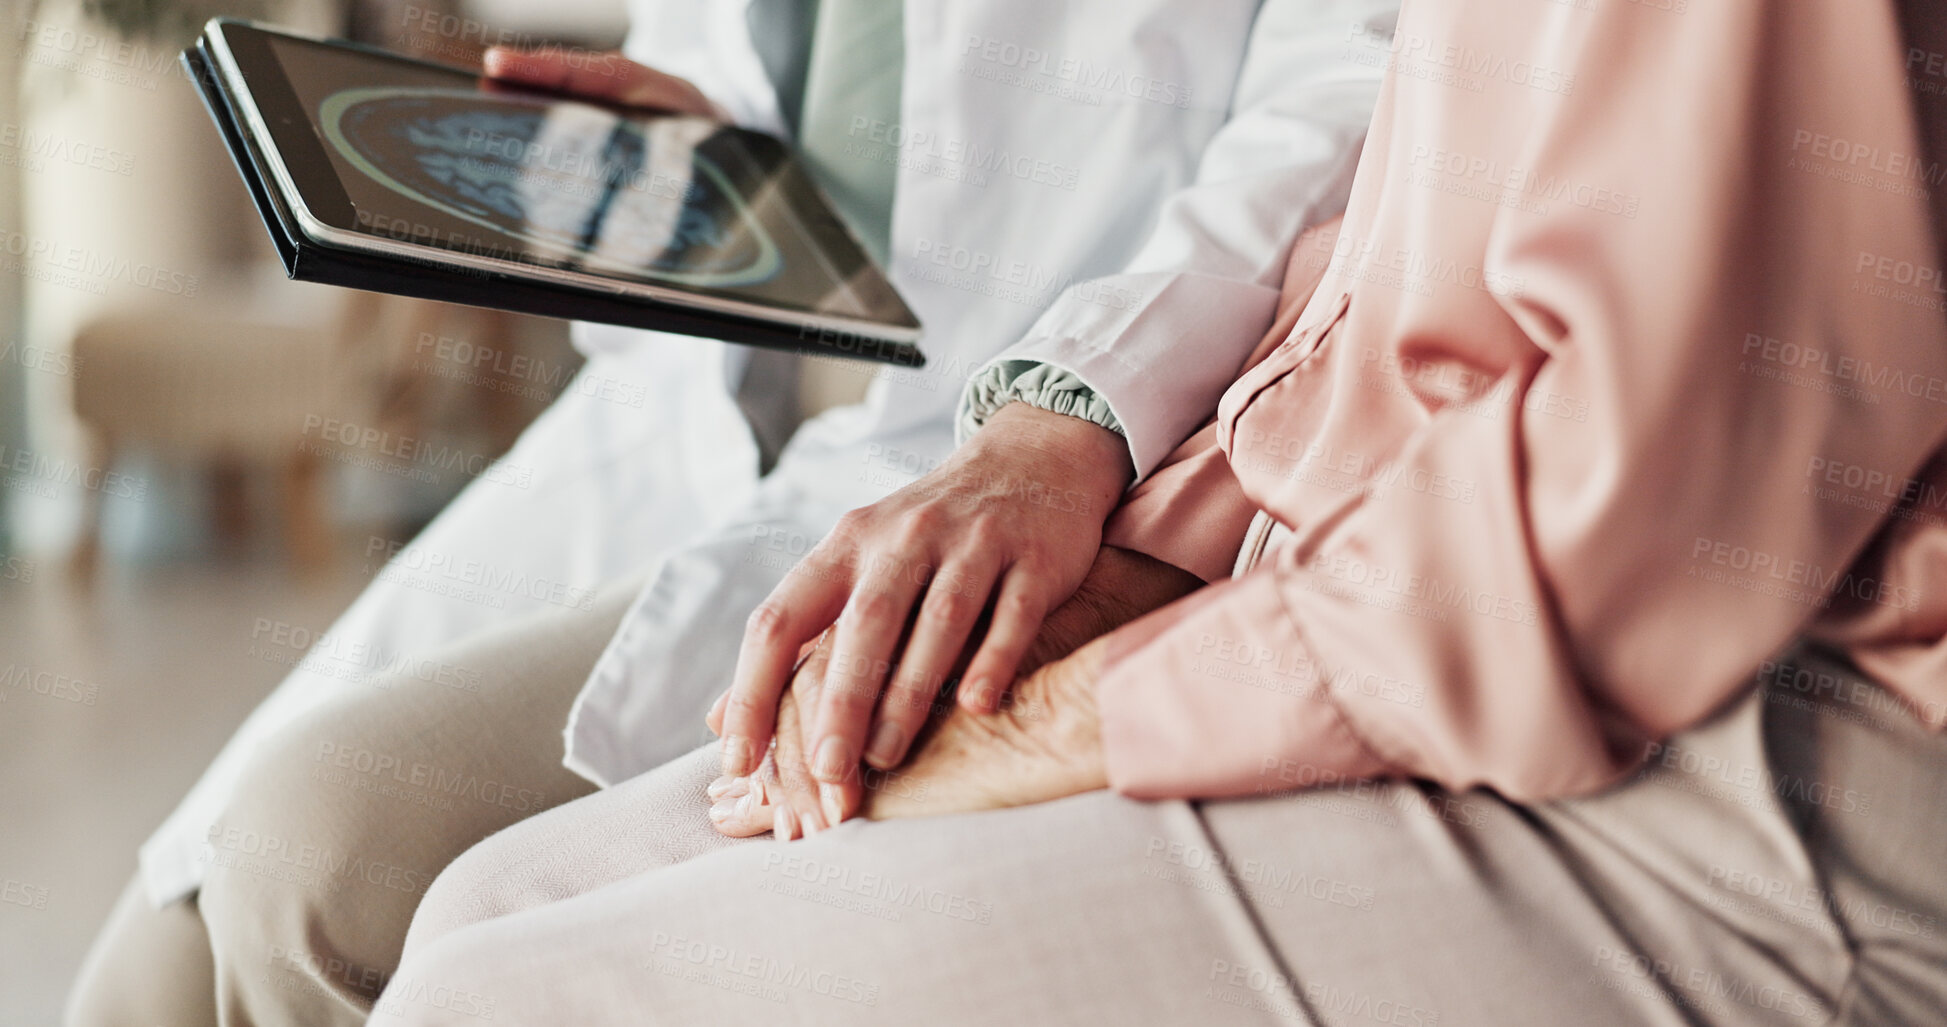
(343,822)
(1781,864)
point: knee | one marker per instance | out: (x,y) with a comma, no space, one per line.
(484,883)
(452,982)
(290,862)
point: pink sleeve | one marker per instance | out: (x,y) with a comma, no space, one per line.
(1640,515)
(1192,513)
(1224,663)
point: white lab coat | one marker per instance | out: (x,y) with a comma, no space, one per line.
(1109,185)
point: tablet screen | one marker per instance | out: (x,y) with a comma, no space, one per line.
(432,155)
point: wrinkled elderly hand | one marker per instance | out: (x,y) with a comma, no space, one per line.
(1008,526)
(1046,745)
(783,797)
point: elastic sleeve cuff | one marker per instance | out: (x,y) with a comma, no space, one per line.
(1040,385)
(1159,348)
(1215,697)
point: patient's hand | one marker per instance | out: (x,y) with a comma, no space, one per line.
(781,795)
(1120,587)
(1011,521)
(1046,745)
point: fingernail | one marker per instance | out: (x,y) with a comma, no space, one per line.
(885,746)
(745,804)
(982,692)
(832,800)
(784,824)
(728,786)
(723,810)
(830,764)
(736,756)
(810,825)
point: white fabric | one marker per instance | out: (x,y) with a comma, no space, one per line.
(1039,146)
(1208,275)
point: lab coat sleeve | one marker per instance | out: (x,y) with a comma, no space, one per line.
(1204,287)
(1619,575)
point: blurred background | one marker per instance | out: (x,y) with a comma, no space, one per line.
(159,379)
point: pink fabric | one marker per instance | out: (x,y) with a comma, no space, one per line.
(1191,512)
(1631,341)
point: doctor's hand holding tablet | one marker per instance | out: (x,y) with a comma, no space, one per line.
(605,76)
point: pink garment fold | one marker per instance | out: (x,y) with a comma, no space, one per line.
(1617,380)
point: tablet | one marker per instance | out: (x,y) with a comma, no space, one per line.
(692,224)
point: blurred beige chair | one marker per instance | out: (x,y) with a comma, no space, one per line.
(227,383)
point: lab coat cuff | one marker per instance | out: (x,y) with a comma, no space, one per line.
(1159,348)
(1042,386)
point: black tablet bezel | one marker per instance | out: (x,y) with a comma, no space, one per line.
(305,158)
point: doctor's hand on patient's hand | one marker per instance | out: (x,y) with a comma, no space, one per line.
(599,76)
(1007,527)
(783,797)
(1044,745)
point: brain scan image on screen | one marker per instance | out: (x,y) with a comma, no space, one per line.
(559,180)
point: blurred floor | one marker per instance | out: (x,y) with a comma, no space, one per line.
(112,699)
